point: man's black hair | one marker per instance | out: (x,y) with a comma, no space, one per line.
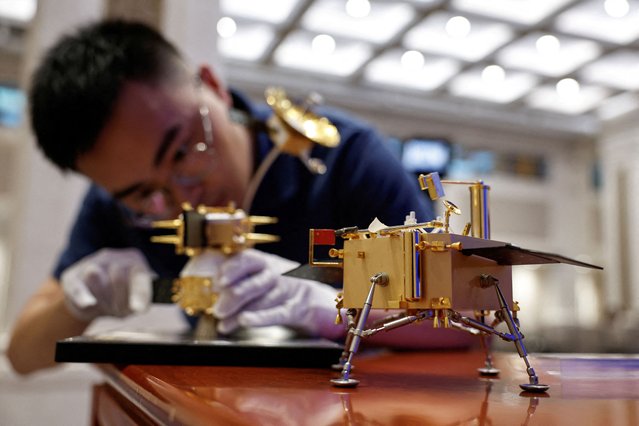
(75,88)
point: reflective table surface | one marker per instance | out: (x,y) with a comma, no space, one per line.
(401,388)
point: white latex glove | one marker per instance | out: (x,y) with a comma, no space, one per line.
(206,264)
(115,282)
(253,293)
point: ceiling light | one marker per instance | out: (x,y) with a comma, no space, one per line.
(412,60)
(567,87)
(226,27)
(616,8)
(358,8)
(458,27)
(548,44)
(323,44)
(493,74)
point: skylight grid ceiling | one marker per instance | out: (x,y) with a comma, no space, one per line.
(566,56)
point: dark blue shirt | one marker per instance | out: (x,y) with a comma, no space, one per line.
(364,180)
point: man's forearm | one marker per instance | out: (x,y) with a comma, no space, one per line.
(43,322)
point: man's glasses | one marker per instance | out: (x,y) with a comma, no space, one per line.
(192,162)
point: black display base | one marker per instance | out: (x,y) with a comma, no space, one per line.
(140,347)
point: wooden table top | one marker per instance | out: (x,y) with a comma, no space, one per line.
(402,388)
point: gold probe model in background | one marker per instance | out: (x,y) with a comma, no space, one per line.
(294,129)
(427,272)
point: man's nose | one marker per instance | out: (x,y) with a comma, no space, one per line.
(158,204)
(184,193)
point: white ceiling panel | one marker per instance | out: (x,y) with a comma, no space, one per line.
(548,98)
(590,19)
(383,21)
(507,88)
(18,10)
(483,37)
(272,11)
(296,51)
(568,55)
(528,12)
(387,69)
(618,105)
(618,69)
(248,43)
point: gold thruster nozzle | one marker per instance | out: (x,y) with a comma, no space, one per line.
(177,239)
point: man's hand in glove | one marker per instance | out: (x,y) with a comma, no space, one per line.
(113,282)
(253,293)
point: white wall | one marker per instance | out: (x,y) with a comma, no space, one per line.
(45,199)
(191,25)
(619,152)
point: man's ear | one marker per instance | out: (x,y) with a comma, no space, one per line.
(213,81)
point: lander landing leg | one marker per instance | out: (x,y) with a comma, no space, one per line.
(518,338)
(488,369)
(352,315)
(345,380)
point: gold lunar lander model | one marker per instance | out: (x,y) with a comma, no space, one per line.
(429,273)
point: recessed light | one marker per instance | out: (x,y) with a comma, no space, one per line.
(226,27)
(358,8)
(493,74)
(568,87)
(323,44)
(458,27)
(616,8)
(548,44)
(412,59)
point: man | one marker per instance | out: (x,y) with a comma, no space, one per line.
(116,103)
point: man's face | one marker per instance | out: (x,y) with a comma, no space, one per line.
(146,155)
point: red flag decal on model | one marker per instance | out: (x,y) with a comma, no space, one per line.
(324,237)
